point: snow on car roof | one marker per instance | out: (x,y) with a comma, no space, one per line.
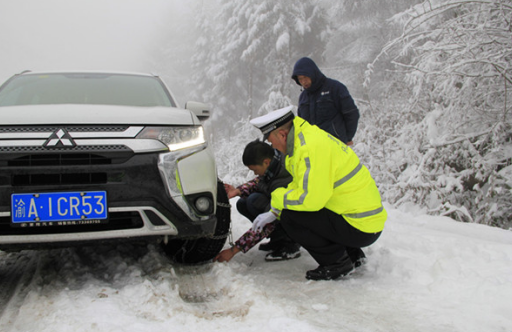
(113,72)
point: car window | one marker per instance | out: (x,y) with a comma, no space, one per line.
(85,88)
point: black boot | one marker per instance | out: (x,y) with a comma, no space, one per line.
(340,268)
(289,250)
(357,256)
(271,245)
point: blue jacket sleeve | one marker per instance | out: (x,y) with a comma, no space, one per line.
(349,110)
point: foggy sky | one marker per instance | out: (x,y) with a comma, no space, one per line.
(81,34)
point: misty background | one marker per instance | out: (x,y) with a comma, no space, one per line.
(432,79)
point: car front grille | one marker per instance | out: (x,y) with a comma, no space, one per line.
(77,149)
(59,160)
(78,156)
(58,179)
(85,129)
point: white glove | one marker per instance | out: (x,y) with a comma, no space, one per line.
(263,219)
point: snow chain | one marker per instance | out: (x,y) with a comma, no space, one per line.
(224,205)
(229,233)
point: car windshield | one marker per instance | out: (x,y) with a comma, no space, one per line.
(85,88)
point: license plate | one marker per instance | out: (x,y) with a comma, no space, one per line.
(60,208)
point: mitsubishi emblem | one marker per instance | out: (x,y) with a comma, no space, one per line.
(60,138)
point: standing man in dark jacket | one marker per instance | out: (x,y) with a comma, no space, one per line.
(325,102)
(268,164)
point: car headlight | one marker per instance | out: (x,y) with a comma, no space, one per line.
(176,138)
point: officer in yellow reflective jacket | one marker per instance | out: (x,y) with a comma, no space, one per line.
(332,207)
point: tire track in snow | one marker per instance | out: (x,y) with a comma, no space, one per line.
(16,273)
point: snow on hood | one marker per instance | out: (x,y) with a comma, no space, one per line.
(94,114)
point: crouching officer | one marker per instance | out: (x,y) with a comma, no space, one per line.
(332,207)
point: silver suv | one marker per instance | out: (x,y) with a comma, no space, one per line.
(97,156)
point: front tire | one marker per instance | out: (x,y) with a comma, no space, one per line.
(193,251)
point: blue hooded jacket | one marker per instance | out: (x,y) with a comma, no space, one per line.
(326,103)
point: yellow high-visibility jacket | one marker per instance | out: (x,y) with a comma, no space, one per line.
(328,174)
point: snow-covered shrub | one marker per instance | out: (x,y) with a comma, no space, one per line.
(454,60)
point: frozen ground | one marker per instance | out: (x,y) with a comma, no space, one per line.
(424,274)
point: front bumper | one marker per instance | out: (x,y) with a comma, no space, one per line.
(148,194)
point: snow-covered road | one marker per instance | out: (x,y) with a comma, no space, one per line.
(424,274)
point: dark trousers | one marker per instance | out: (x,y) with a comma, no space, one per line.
(255,204)
(324,234)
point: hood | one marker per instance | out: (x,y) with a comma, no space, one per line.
(307,67)
(95,114)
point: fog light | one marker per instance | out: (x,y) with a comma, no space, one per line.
(203,204)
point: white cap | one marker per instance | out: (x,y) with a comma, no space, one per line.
(273,120)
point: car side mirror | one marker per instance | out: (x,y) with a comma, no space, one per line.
(202,111)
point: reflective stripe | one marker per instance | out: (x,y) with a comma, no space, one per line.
(276,211)
(348,176)
(302,140)
(304,181)
(365,214)
(304,187)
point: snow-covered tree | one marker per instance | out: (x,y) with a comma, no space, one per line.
(453,137)
(360,30)
(245,56)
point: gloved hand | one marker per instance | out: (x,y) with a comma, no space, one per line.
(263,219)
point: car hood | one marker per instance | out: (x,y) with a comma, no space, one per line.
(95,114)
